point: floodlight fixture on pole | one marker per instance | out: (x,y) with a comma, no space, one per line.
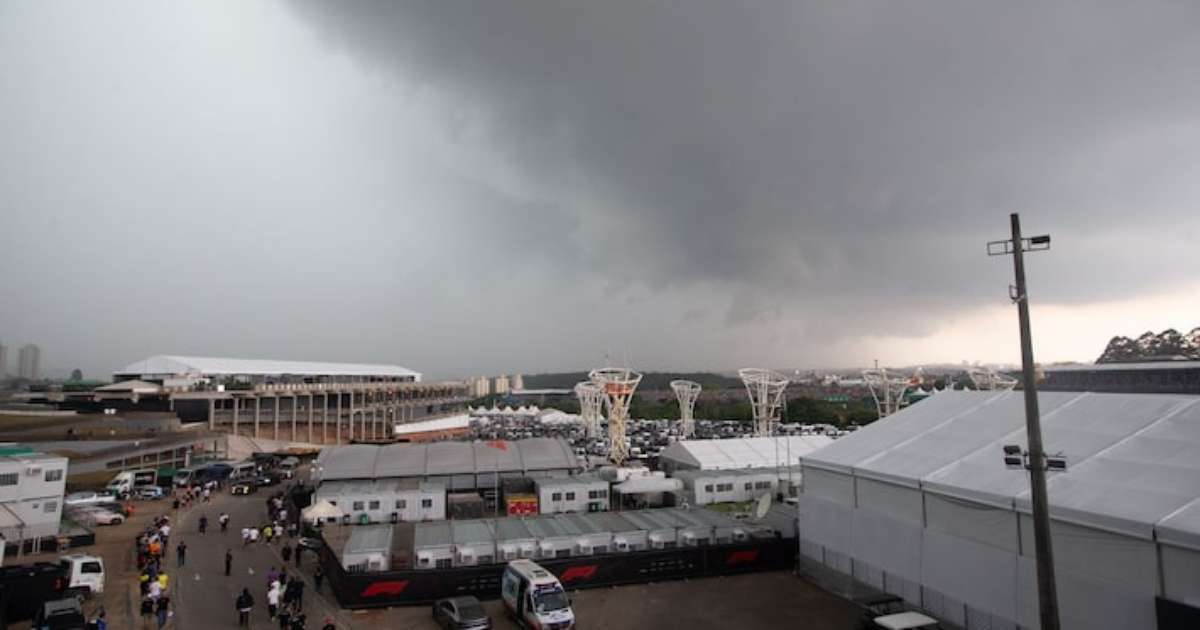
(765,388)
(618,385)
(987,379)
(1035,453)
(686,392)
(888,391)
(591,401)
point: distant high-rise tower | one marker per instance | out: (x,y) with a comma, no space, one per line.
(518,381)
(3,360)
(29,362)
(501,385)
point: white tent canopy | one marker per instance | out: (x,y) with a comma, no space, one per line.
(321,511)
(921,503)
(754,452)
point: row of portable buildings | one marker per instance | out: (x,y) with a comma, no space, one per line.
(447,544)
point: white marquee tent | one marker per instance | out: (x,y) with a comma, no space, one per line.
(921,504)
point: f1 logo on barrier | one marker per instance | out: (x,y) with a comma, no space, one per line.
(749,556)
(585,572)
(385,588)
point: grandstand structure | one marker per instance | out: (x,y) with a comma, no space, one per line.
(1150,377)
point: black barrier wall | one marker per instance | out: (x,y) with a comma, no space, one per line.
(398,588)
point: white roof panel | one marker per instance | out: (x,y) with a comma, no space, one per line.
(756,452)
(1133,459)
(217,366)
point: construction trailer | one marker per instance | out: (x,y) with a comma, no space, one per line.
(577,493)
(369,549)
(385,500)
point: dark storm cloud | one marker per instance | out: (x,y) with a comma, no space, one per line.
(856,153)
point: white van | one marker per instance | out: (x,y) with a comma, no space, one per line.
(85,574)
(244,471)
(534,597)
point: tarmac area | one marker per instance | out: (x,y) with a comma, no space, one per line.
(203,597)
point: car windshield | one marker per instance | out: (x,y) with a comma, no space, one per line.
(471,611)
(549,601)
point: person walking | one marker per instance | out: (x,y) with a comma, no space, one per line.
(228,561)
(244,604)
(181,553)
(296,591)
(286,553)
(318,577)
(299,550)
(163,610)
(147,611)
(224,520)
(273,600)
(203,524)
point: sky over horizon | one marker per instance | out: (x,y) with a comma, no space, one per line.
(472,188)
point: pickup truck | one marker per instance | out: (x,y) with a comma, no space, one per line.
(24,588)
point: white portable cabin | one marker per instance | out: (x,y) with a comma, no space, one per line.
(554,541)
(725,530)
(626,536)
(514,540)
(577,493)
(368,550)
(385,500)
(474,542)
(433,545)
(590,536)
(691,531)
(704,487)
(660,532)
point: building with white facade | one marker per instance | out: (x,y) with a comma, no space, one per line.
(577,493)
(703,487)
(29,362)
(31,494)
(517,381)
(500,385)
(385,500)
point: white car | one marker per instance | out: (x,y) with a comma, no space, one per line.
(97,516)
(88,498)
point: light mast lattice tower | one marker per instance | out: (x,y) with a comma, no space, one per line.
(765,388)
(618,385)
(686,392)
(591,401)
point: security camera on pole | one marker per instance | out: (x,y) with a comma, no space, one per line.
(1034,457)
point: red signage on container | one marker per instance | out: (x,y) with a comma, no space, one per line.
(585,572)
(385,588)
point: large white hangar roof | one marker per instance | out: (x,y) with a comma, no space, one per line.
(368,461)
(1133,459)
(218,366)
(754,452)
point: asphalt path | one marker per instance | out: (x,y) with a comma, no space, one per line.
(204,597)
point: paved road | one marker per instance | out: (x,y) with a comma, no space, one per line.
(204,597)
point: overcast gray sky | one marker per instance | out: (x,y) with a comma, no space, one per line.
(474,187)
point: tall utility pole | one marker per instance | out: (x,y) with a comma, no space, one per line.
(1047,590)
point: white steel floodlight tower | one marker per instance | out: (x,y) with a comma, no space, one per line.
(987,379)
(888,391)
(766,397)
(618,385)
(591,400)
(686,392)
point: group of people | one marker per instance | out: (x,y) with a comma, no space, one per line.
(153,581)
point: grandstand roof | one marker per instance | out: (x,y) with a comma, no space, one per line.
(1139,365)
(176,365)
(1133,459)
(368,461)
(755,452)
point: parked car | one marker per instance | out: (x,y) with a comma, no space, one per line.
(92,515)
(60,614)
(148,493)
(113,506)
(460,613)
(266,480)
(243,488)
(88,497)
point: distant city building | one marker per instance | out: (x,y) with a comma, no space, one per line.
(479,386)
(3,360)
(518,381)
(29,362)
(501,385)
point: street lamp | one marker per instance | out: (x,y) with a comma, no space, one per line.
(1034,458)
